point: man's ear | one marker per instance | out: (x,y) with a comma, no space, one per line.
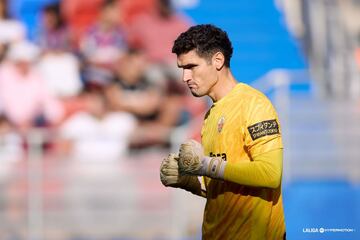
(218,60)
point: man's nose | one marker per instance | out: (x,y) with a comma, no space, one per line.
(186,75)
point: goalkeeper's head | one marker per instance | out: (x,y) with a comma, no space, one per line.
(204,52)
(206,39)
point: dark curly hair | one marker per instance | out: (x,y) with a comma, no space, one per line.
(207,39)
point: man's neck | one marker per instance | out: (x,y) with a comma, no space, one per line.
(224,85)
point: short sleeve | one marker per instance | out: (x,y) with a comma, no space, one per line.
(262,128)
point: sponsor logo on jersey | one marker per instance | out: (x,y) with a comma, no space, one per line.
(220,124)
(264,128)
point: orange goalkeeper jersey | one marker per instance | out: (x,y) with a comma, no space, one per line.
(238,127)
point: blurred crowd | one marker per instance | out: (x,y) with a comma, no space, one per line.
(99,78)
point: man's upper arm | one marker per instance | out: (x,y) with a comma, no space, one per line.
(262,131)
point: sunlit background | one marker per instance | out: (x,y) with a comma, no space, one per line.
(91,102)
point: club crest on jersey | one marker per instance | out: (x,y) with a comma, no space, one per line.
(220,124)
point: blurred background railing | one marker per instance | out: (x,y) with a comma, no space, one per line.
(47,197)
(91,101)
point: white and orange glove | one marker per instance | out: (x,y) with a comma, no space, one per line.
(192,161)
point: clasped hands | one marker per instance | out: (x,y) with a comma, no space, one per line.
(191,160)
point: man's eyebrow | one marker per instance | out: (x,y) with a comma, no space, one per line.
(187,66)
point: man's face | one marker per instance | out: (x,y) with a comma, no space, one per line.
(199,74)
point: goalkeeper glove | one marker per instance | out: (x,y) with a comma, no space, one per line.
(170,176)
(192,161)
(169,172)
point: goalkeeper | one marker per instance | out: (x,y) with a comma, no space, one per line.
(240,154)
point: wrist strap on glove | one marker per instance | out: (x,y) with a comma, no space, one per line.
(213,167)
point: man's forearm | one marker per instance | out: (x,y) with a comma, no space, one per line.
(193,185)
(264,171)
